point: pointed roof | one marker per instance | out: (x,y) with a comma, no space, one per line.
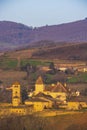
(39,80)
(16,83)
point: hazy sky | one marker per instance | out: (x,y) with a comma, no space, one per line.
(42,12)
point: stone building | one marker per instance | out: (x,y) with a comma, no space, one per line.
(58,90)
(39,86)
(16,94)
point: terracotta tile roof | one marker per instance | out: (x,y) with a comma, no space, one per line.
(58,88)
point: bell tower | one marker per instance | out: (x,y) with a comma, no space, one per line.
(39,86)
(16,94)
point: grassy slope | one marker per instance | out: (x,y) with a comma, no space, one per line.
(70,52)
(65,122)
(12,60)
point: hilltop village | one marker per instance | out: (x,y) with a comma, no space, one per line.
(55,97)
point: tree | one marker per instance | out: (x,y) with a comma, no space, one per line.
(24,95)
(51,66)
(28,68)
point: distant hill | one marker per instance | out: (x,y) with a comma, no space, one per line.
(13,35)
(65,52)
(77,51)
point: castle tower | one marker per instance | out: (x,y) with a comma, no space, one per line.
(39,86)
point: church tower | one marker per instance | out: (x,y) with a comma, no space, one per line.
(39,86)
(16,94)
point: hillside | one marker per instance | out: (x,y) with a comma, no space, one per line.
(68,52)
(77,51)
(31,122)
(14,35)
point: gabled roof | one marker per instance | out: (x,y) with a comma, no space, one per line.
(58,88)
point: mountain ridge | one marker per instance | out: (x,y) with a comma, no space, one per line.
(13,35)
